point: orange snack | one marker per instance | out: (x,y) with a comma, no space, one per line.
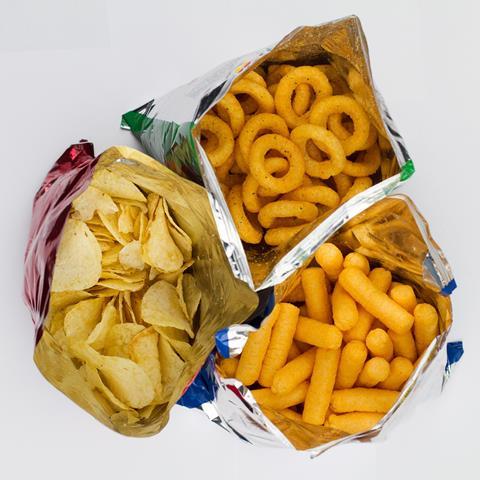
(363,400)
(361,328)
(425,327)
(330,258)
(404,296)
(380,344)
(400,369)
(374,371)
(357,260)
(352,359)
(266,398)
(318,334)
(381,278)
(294,372)
(354,422)
(404,345)
(345,312)
(317,299)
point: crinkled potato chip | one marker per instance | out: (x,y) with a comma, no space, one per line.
(131,256)
(98,335)
(161,306)
(92,200)
(127,380)
(116,186)
(119,337)
(159,249)
(144,352)
(81,319)
(79,258)
(181,239)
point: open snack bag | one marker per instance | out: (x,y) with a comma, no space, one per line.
(127,283)
(354,337)
(290,142)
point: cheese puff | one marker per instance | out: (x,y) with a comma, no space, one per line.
(379,344)
(354,422)
(363,400)
(294,352)
(378,324)
(330,258)
(357,260)
(379,304)
(361,328)
(280,343)
(381,278)
(353,357)
(343,183)
(404,296)
(266,398)
(229,366)
(321,386)
(374,371)
(404,345)
(294,372)
(291,414)
(250,363)
(360,184)
(345,312)
(317,333)
(317,299)
(425,327)
(400,369)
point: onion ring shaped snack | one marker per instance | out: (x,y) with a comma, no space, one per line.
(230,106)
(284,209)
(370,161)
(223,170)
(286,86)
(276,72)
(239,159)
(255,78)
(257,124)
(325,141)
(360,184)
(208,141)
(224,135)
(257,92)
(315,194)
(248,232)
(336,126)
(294,176)
(325,107)
(250,196)
(302,99)
(281,235)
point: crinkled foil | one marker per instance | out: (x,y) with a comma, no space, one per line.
(225,299)
(165,128)
(391,234)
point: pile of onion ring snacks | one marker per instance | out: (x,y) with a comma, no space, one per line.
(340,346)
(289,145)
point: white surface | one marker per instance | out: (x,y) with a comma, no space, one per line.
(68,71)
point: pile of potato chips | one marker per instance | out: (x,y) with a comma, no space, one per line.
(122,303)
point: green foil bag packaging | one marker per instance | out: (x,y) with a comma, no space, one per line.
(129,177)
(166,128)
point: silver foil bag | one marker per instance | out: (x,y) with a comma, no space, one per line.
(394,235)
(166,128)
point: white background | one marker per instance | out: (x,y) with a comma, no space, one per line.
(69,69)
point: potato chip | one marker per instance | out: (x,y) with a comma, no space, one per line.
(81,319)
(116,186)
(125,221)
(97,336)
(111,224)
(127,380)
(181,239)
(144,352)
(142,206)
(172,366)
(178,339)
(131,256)
(121,285)
(152,203)
(125,417)
(92,200)
(161,306)
(159,249)
(93,378)
(119,337)
(110,257)
(79,259)
(103,292)
(191,295)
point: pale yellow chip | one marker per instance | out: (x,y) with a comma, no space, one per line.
(98,335)
(121,285)
(119,337)
(161,306)
(111,224)
(131,256)
(92,200)
(81,319)
(144,352)
(79,259)
(177,338)
(159,249)
(125,221)
(127,380)
(172,366)
(110,257)
(191,294)
(181,239)
(116,186)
